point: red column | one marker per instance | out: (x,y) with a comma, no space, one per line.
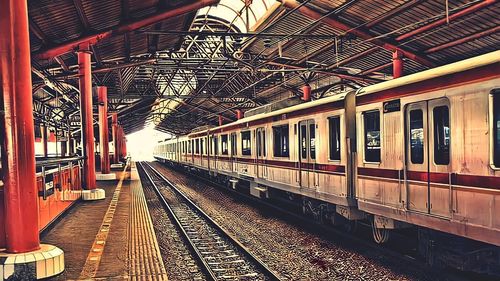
(114,133)
(306,91)
(397,64)
(220,120)
(239,114)
(45,138)
(18,147)
(124,144)
(103,129)
(122,138)
(85,81)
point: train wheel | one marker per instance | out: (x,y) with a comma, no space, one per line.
(380,235)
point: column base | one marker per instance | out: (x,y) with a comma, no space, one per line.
(46,262)
(94,194)
(105,177)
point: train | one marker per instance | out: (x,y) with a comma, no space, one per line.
(420,151)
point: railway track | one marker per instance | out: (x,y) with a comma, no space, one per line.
(318,227)
(220,255)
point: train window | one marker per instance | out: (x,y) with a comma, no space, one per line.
(215,145)
(312,141)
(441,135)
(263,142)
(280,140)
(334,133)
(197,146)
(303,141)
(496,128)
(417,136)
(202,146)
(233,144)
(224,146)
(189,146)
(259,144)
(372,136)
(245,143)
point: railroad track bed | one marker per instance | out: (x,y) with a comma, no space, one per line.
(218,255)
(295,251)
(179,262)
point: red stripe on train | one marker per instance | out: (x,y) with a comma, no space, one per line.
(439,178)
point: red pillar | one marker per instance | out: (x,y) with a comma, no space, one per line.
(306,92)
(45,137)
(85,81)
(220,120)
(239,114)
(124,144)
(18,147)
(397,64)
(103,129)
(114,133)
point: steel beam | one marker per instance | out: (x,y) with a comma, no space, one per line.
(359,32)
(376,68)
(464,39)
(103,128)
(66,47)
(396,11)
(443,21)
(19,203)
(86,118)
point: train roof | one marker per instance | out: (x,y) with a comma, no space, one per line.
(475,62)
(286,110)
(486,59)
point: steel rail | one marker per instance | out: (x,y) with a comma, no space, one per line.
(257,263)
(325,230)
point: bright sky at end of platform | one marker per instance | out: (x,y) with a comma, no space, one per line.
(140,144)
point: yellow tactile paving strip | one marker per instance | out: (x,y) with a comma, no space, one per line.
(94,257)
(145,262)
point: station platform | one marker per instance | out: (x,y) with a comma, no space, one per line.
(110,239)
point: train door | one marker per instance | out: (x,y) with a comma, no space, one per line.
(307,153)
(260,135)
(428,185)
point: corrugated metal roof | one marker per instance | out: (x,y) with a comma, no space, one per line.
(313,50)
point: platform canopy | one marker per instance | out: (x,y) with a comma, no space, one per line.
(181,64)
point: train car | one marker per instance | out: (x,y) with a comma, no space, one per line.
(418,151)
(428,149)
